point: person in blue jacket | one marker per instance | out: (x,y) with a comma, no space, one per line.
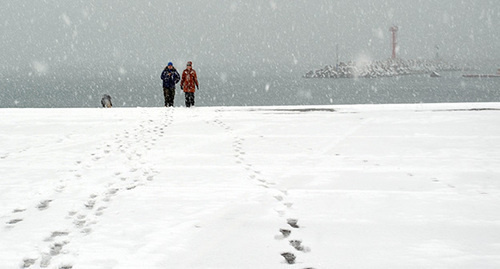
(170,77)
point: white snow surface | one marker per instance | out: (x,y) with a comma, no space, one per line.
(371,186)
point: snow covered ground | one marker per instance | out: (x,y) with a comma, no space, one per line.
(370,186)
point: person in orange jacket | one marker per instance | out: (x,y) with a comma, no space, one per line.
(188,83)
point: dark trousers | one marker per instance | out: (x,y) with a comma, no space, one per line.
(169,94)
(189,99)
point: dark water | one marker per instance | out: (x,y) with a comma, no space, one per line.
(73,89)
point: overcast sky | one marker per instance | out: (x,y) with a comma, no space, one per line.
(45,35)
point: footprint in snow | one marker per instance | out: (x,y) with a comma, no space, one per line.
(293,223)
(56,234)
(80,221)
(284,234)
(45,262)
(297,244)
(90,204)
(60,188)
(281,212)
(14,221)
(112,191)
(289,257)
(56,248)
(100,210)
(43,205)
(27,262)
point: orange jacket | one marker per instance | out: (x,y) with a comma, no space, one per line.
(189,80)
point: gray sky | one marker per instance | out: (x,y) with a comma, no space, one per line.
(249,35)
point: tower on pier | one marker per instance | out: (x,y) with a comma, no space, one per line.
(394,30)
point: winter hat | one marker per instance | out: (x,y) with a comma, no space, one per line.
(170,64)
(190,63)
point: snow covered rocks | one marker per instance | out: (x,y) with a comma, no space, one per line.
(387,68)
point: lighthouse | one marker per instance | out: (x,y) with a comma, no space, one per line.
(394,30)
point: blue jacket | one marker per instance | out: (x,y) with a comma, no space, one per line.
(170,77)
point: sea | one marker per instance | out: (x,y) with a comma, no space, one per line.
(84,88)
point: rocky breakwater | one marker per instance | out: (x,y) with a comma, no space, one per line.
(387,68)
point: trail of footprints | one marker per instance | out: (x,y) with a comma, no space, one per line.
(289,224)
(133,145)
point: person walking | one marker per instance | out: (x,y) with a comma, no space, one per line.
(170,77)
(188,83)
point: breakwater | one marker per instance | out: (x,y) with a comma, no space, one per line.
(387,68)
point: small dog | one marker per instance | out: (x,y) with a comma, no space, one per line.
(106,101)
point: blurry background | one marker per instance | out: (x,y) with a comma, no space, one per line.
(68,53)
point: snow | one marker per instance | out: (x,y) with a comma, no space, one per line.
(40,67)
(371,186)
